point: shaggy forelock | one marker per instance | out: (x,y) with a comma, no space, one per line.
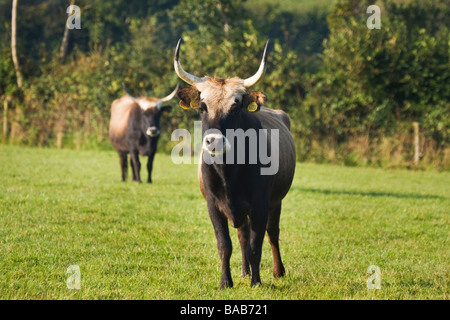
(148,103)
(220,94)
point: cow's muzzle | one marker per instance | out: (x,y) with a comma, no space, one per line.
(215,144)
(153,131)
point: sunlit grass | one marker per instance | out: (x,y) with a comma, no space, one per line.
(141,241)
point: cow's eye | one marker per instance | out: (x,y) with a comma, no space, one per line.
(202,107)
(235,105)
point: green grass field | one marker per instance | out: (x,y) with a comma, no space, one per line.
(138,241)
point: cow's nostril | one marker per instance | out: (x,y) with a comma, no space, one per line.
(209,140)
(152,131)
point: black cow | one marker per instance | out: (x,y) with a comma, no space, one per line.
(240,192)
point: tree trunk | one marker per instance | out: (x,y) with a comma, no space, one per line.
(64,45)
(65,41)
(13,44)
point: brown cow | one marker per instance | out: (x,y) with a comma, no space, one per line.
(236,191)
(134,129)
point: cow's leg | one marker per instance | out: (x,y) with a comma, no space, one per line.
(132,169)
(224,245)
(273,232)
(123,164)
(243,234)
(254,246)
(150,166)
(135,165)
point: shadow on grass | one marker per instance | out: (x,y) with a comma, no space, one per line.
(370,193)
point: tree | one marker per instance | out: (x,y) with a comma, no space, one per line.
(13,44)
(65,41)
(375,83)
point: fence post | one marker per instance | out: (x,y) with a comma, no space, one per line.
(416,143)
(5,119)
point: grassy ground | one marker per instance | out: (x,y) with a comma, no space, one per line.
(140,241)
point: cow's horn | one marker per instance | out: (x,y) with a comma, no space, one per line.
(258,75)
(189,78)
(170,96)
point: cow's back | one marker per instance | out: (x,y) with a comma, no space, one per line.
(121,110)
(278,119)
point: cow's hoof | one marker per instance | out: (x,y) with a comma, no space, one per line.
(226,284)
(245,273)
(278,273)
(255,283)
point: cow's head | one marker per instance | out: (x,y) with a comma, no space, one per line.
(222,103)
(152,110)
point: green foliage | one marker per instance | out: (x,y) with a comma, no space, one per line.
(7,76)
(340,82)
(371,81)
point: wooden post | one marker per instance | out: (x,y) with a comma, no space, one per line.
(5,119)
(416,143)
(59,138)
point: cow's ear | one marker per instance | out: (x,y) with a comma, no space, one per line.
(254,100)
(166,109)
(188,97)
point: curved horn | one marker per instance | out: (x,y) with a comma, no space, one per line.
(170,96)
(258,75)
(189,78)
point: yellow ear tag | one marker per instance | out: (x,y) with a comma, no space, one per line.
(253,107)
(194,104)
(183,105)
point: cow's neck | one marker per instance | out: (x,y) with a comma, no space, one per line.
(233,186)
(228,188)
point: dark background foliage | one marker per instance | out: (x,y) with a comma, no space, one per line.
(352,93)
